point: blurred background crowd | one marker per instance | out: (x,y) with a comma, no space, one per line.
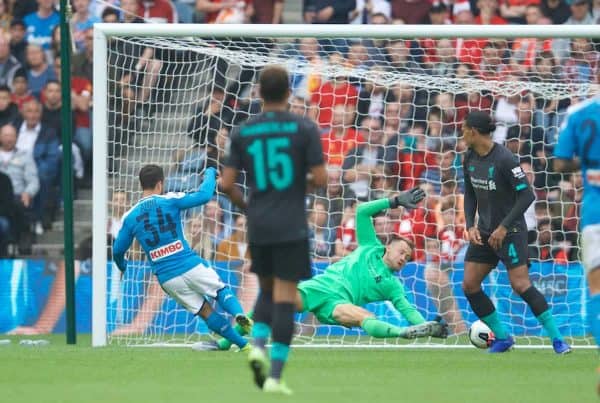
(378,139)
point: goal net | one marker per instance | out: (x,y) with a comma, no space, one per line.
(390,102)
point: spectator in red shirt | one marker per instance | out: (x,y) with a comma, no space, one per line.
(81,101)
(467,50)
(514,10)
(20,88)
(342,137)
(418,225)
(525,50)
(345,241)
(408,163)
(157,11)
(488,13)
(492,63)
(471,101)
(330,94)
(225,11)
(440,57)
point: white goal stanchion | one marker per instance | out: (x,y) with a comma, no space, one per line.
(390,100)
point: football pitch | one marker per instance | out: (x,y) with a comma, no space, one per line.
(79,374)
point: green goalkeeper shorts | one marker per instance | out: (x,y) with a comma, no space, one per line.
(320,300)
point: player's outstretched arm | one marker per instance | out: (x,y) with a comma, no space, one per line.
(365,232)
(408,199)
(407,310)
(204,193)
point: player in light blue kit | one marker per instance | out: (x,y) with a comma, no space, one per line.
(579,148)
(155,222)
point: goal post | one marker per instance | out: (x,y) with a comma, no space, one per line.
(145,106)
(100,189)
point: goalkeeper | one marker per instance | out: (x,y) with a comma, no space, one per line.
(367,275)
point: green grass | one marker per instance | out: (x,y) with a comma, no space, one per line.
(79,374)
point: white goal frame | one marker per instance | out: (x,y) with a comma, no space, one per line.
(102,32)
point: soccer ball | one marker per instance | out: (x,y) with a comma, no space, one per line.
(480,335)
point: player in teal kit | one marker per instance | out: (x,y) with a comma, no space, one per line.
(155,221)
(580,137)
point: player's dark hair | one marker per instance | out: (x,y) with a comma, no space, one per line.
(150,175)
(5,88)
(481,121)
(274,84)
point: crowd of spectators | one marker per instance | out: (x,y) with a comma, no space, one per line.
(377,139)
(30,119)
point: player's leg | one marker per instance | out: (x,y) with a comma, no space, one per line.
(590,238)
(263,308)
(284,299)
(189,290)
(291,264)
(350,315)
(514,254)
(220,325)
(223,344)
(479,262)
(206,281)
(230,303)
(521,284)
(263,313)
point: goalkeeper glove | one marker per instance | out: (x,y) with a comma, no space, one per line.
(408,199)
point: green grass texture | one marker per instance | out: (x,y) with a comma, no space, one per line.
(80,374)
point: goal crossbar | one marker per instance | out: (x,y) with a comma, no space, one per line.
(344,31)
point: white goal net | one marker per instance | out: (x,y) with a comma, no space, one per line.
(390,103)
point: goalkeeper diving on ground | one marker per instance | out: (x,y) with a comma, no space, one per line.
(367,275)
(155,222)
